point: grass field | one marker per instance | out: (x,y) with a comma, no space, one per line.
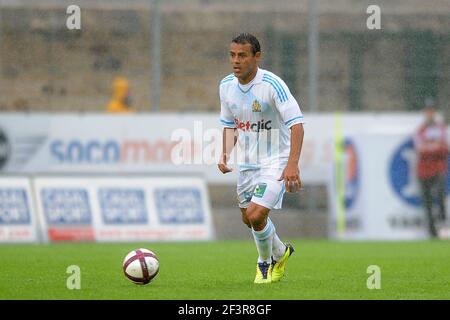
(225,270)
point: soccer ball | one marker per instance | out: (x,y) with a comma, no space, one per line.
(141,266)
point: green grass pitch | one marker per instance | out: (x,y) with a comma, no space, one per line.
(225,270)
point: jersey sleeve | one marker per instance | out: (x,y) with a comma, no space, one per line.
(226,116)
(285,102)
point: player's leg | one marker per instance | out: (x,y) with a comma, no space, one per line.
(280,259)
(280,255)
(244,217)
(278,247)
(271,195)
(245,189)
(263,268)
(262,231)
(262,197)
(427,198)
(441,184)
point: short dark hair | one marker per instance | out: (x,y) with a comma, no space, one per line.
(244,38)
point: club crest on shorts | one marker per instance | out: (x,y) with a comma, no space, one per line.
(256,107)
(260,189)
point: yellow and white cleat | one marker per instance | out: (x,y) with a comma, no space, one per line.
(279,266)
(263,272)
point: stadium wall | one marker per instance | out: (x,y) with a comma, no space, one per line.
(45,67)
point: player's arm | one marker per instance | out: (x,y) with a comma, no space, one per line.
(292,117)
(229,139)
(291,174)
(229,135)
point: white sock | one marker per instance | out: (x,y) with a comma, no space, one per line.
(278,247)
(263,240)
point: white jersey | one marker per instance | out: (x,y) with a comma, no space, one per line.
(263,112)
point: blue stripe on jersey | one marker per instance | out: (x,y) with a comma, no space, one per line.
(273,86)
(291,120)
(227,78)
(279,86)
(228,123)
(225,81)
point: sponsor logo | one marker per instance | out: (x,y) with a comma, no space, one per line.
(122,206)
(253,126)
(256,107)
(5,149)
(66,206)
(14,206)
(402,174)
(111,151)
(248,196)
(179,205)
(245,197)
(260,189)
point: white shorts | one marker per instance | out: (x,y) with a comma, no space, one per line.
(262,187)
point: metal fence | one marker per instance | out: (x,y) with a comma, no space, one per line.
(174,53)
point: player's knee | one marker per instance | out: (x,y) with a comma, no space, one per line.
(245,220)
(255,217)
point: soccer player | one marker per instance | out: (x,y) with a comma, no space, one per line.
(259,113)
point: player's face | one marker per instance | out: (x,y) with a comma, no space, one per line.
(243,61)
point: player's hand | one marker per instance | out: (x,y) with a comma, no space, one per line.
(223,167)
(291,176)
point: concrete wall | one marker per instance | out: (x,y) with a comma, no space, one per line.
(44,66)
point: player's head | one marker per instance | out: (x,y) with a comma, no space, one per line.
(245,53)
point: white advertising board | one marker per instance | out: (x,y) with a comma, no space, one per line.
(382,194)
(17,219)
(188,145)
(123,209)
(158,143)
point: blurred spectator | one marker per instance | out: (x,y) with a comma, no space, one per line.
(120,101)
(432,155)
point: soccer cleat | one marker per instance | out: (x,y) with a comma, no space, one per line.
(278,266)
(263,272)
